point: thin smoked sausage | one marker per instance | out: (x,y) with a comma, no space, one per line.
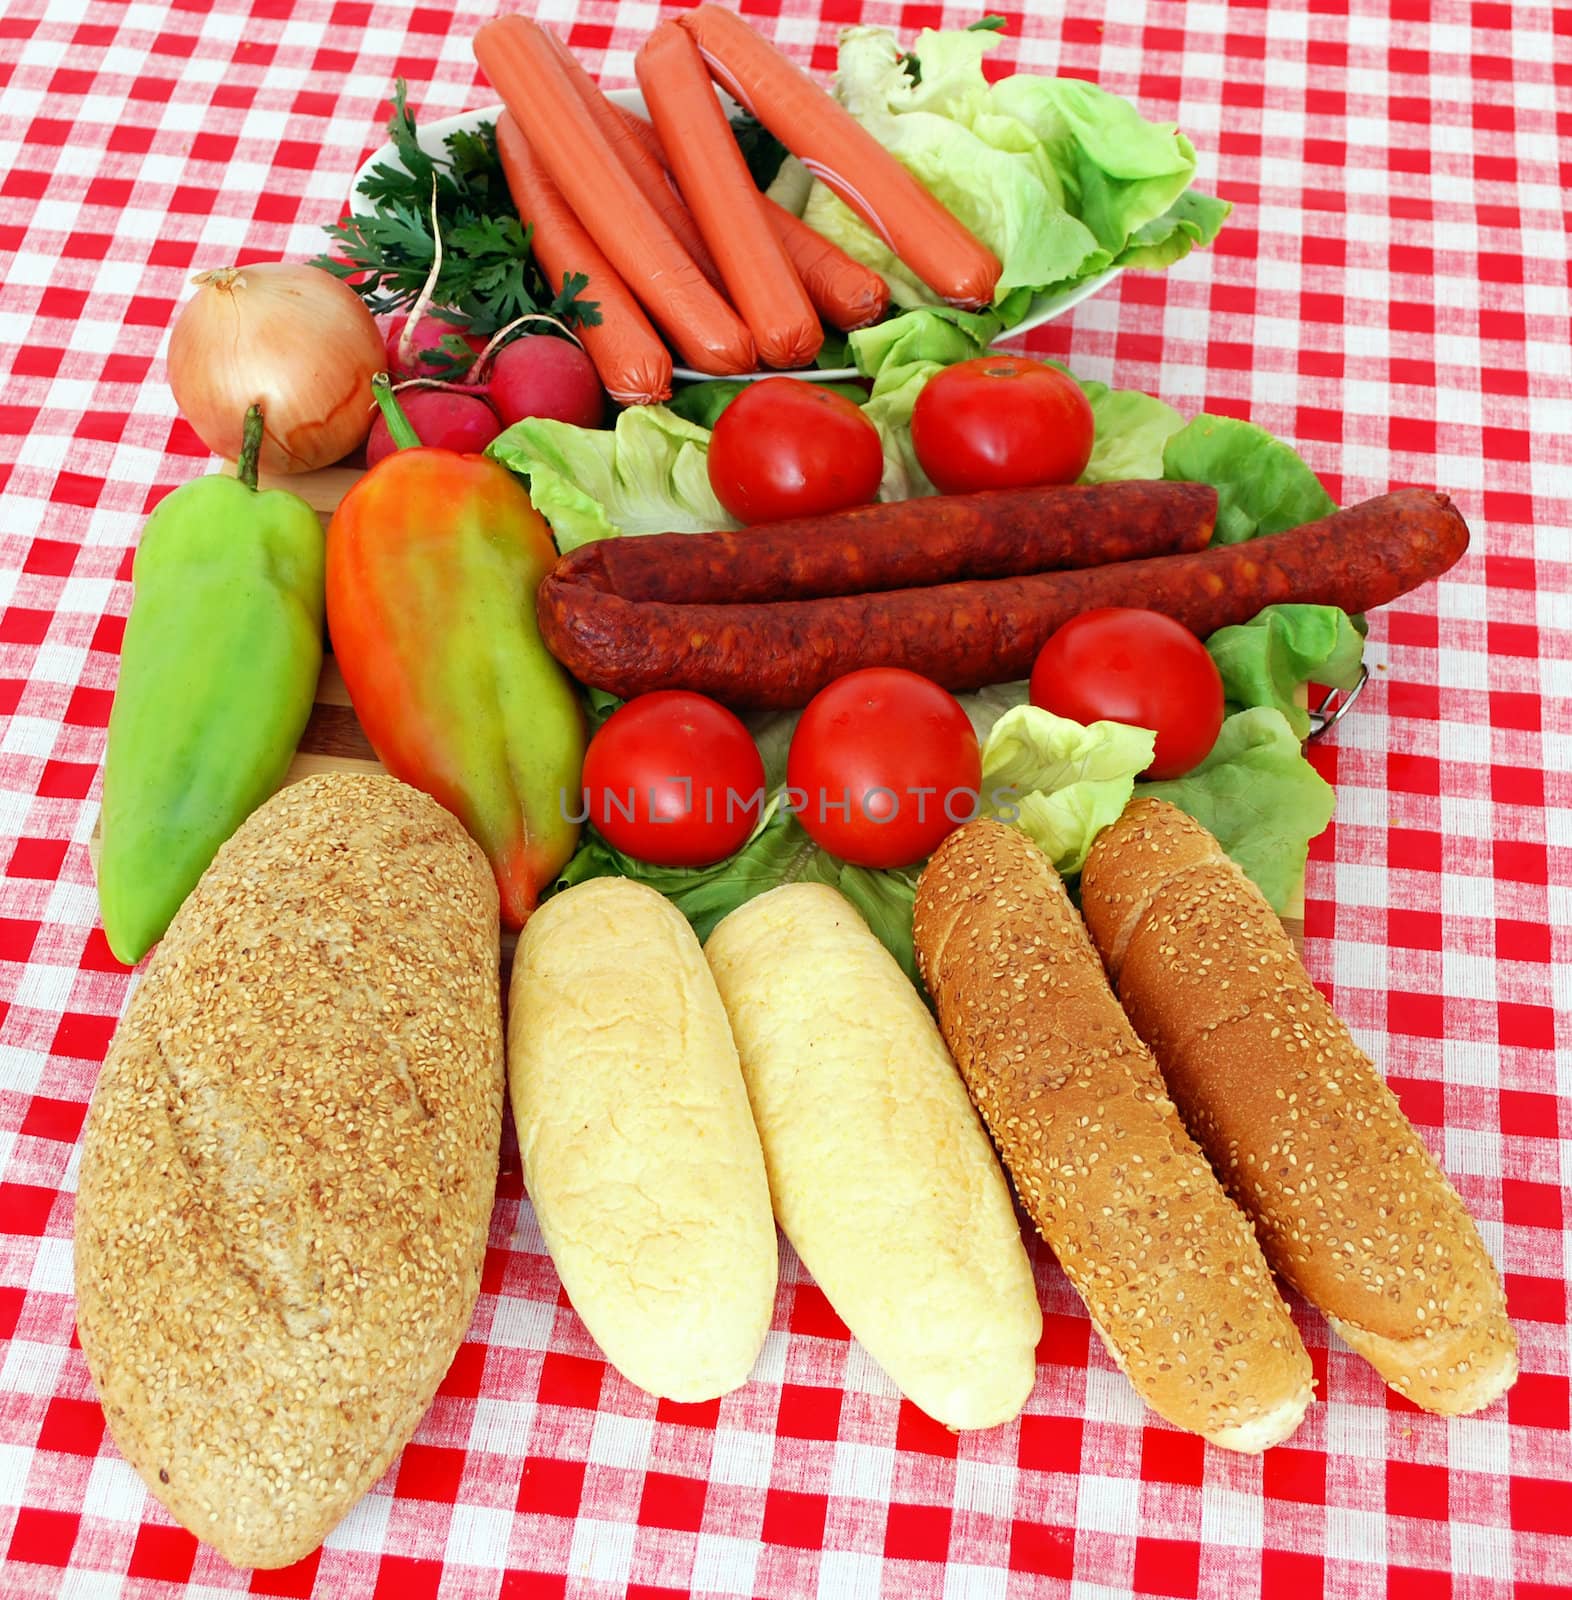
(996,533)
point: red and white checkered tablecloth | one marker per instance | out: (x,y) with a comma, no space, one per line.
(1392,295)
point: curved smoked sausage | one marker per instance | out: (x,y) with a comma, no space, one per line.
(973,632)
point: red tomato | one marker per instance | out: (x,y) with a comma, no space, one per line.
(884,764)
(1001,422)
(1120,664)
(674,778)
(787,448)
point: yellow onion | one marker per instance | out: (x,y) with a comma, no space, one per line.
(288,337)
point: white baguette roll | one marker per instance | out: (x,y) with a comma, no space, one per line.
(290,1163)
(639,1150)
(1168,1267)
(881,1174)
(1349,1205)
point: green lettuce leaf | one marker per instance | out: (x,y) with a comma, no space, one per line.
(834,354)
(649,474)
(1260,797)
(1264,661)
(790,186)
(598,705)
(986,706)
(702,403)
(1119,171)
(1131,430)
(1263,485)
(1193,220)
(780,851)
(944,69)
(920,341)
(886,898)
(1059,782)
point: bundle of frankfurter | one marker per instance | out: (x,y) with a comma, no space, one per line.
(664,219)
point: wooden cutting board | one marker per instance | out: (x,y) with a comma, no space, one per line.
(333,740)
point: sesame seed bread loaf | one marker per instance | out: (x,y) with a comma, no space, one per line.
(290,1162)
(1348,1204)
(881,1174)
(639,1149)
(1173,1277)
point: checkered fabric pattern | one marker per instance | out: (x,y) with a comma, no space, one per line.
(1392,295)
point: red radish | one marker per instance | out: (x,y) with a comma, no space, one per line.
(448,419)
(429,333)
(538,375)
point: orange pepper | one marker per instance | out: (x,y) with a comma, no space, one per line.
(433,560)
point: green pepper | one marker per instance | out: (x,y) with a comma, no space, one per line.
(218,672)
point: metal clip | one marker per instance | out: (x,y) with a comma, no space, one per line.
(1336,705)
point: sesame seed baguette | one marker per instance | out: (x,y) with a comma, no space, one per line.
(1349,1205)
(290,1163)
(1173,1278)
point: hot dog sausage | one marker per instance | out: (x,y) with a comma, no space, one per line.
(844,292)
(719,190)
(643,130)
(636,144)
(840,152)
(967,634)
(998,533)
(629,358)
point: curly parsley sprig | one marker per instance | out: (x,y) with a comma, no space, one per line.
(488,276)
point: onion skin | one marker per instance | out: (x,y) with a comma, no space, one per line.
(288,337)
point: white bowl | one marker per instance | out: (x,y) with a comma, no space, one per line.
(432,137)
